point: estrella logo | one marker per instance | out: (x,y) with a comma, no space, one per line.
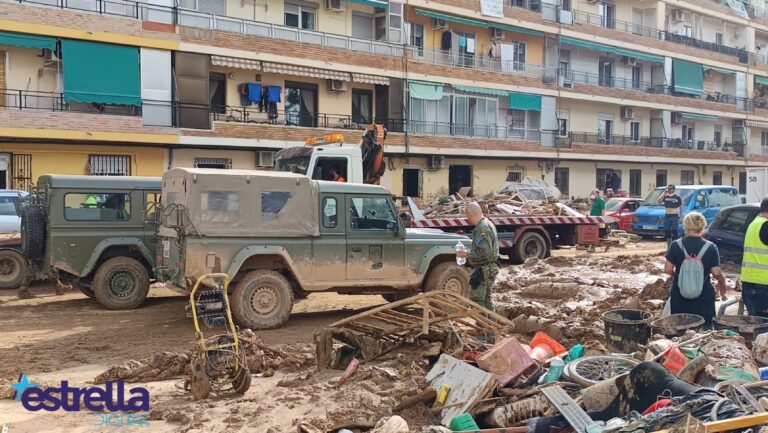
(111,398)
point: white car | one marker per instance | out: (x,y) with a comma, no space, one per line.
(9,221)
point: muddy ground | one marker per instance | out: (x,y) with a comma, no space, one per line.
(52,338)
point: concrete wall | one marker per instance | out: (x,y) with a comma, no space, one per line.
(241,159)
(583,117)
(23,70)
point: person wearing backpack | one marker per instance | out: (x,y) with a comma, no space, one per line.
(690,261)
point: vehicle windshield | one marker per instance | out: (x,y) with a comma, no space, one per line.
(612,205)
(293,165)
(653,197)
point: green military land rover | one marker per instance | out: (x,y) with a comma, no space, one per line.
(281,235)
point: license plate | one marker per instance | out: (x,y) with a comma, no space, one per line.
(166,248)
(649,227)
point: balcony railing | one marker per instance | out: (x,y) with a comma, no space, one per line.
(512,133)
(622,26)
(657,142)
(475,61)
(52,101)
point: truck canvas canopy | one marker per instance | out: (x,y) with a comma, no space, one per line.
(240,203)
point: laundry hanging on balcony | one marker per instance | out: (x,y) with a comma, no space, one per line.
(613,50)
(524,101)
(27,41)
(426,91)
(688,77)
(481,90)
(101,73)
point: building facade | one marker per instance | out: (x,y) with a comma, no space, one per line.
(472,92)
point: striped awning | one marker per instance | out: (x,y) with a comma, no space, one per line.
(370,79)
(303,71)
(757,124)
(236,62)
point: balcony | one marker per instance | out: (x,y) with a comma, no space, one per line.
(51,101)
(656,142)
(474,61)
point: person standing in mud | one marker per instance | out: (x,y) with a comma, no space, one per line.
(754,265)
(673,208)
(483,255)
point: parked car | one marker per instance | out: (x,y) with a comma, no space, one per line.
(728,229)
(623,210)
(9,221)
(707,199)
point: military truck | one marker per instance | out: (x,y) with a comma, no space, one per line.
(92,232)
(280,236)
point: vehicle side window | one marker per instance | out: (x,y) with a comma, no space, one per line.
(97,207)
(272,202)
(701,199)
(630,206)
(369,213)
(151,201)
(330,215)
(736,221)
(7,206)
(220,206)
(723,197)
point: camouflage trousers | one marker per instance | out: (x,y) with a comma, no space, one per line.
(480,291)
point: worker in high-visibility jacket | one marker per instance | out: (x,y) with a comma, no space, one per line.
(754,265)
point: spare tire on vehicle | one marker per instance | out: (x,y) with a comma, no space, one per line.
(33,221)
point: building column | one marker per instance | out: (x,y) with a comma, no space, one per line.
(661,15)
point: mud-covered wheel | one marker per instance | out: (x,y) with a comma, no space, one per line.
(85,287)
(448,276)
(199,383)
(121,283)
(530,245)
(13,269)
(33,233)
(262,300)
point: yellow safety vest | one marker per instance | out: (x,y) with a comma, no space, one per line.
(754,266)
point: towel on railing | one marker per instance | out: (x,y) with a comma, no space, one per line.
(254,93)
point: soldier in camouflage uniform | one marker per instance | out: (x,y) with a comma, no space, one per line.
(483,255)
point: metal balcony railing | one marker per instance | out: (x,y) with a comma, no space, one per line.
(657,142)
(622,26)
(52,101)
(475,61)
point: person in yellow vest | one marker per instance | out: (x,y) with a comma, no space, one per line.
(754,264)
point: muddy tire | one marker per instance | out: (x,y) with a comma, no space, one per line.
(33,233)
(121,283)
(448,276)
(262,300)
(530,245)
(13,269)
(85,288)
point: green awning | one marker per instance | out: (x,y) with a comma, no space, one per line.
(451,18)
(761,80)
(27,41)
(720,70)
(427,91)
(688,77)
(524,101)
(614,50)
(516,29)
(693,116)
(374,3)
(100,73)
(481,90)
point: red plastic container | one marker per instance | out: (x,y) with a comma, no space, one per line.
(674,360)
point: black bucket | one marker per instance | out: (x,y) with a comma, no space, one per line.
(747,326)
(626,330)
(675,325)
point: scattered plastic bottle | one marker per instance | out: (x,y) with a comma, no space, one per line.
(460,260)
(556,367)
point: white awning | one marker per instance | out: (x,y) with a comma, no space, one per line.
(757,124)
(370,79)
(303,71)
(236,62)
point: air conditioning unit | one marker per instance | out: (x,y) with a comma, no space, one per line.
(676,15)
(738,123)
(334,6)
(337,86)
(568,84)
(50,57)
(629,61)
(435,162)
(266,158)
(496,34)
(439,24)
(627,113)
(677,118)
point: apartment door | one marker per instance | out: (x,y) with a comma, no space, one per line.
(635,182)
(688,135)
(608,15)
(459,176)
(5,168)
(464,115)
(301,104)
(605,77)
(382,105)
(466,53)
(412,181)
(637,21)
(605,179)
(604,131)
(362,106)
(217,90)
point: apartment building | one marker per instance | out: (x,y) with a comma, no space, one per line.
(472,92)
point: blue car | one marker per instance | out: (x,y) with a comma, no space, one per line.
(706,199)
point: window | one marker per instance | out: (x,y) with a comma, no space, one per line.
(188,4)
(686,177)
(605,74)
(465,57)
(272,202)
(565,5)
(718,137)
(300,16)
(362,26)
(607,15)
(562,127)
(97,207)
(723,197)
(764,139)
(717,178)
(561,179)
(151,202)
(661,178)
(223,163)
(220,206)
(109,165)
(362,106)
(520,48)
(637,77)
(395,22)
(417,37)
(635,182)
(330,216)
(688,31)
(300,104)
(719,38)
(7,206)
(514,175)
(687,135)
(634,131)
(604,131)
(371,214)
(604,178)
(736,221)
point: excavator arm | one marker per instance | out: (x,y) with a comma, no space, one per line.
(372,149)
